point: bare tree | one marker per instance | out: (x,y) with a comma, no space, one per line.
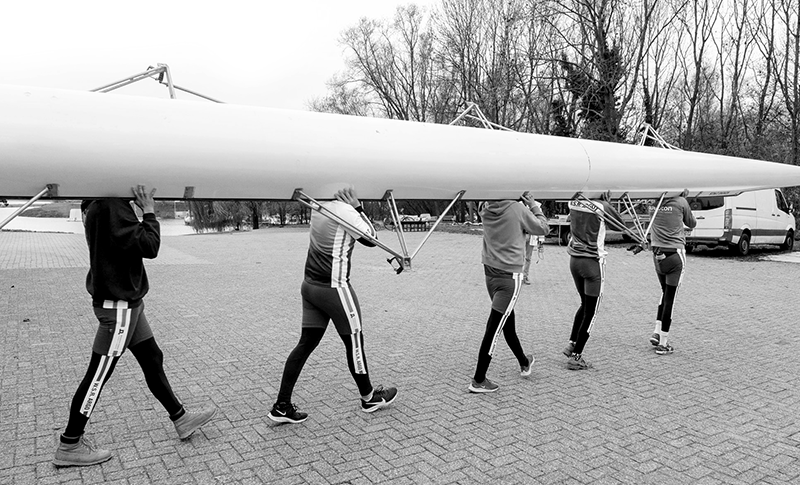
(393,62)
(787,67)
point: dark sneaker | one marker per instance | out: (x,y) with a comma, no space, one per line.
(664,349)
(577,362)
(191,421)
(569,349)
(655,339)
(526,370)
(485,386)
(81,453)
(381,397)
(286,412)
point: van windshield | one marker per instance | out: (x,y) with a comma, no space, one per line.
(706,203)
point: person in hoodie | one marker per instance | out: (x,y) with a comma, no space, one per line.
(668,243)
(587,263)
(118,283)
(505,226)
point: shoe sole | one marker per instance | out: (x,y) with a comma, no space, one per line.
(285,419)
(481,390)
(186,436)
(377,406)
(664,352)
(65,463)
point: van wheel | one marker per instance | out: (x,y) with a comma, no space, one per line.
(565,237)
(743,247)
(689,248)
(788,243)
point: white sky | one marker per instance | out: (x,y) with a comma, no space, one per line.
(274,53)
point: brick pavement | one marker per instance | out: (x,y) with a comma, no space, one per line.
(225,308)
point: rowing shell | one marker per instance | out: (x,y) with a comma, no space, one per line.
(93,145)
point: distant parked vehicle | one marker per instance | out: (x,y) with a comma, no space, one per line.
(4,202)
(760,217)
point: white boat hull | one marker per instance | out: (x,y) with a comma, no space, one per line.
(98,145)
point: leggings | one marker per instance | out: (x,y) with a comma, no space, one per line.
(309,339)
(670,268)
(509,333)
(151,360)
(589,277)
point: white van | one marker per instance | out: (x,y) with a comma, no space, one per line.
(760,217)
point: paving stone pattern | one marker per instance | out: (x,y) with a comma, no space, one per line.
(225,308)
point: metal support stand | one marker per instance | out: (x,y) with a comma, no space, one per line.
(36,197)
(399,260)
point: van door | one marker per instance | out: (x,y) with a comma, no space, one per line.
(745,219)
(710,215)
(780,218)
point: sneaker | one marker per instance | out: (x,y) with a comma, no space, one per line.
(286,412)
(664,349)
(81,453)
(569,349)
(577,362)
(191,421)
(655,339)
(381,397)
(485,386)
(526,281)
(526,370)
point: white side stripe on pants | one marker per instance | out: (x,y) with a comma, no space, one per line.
(121,327)
(600,296)
(355,328)
(509,309)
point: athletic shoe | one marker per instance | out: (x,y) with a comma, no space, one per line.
(81,453)
(286,412)
(655,339)
(485,386)
(526,281)
(569,349)
(525,371)
(191,421)
(381,397)
(664,349)
(577,362)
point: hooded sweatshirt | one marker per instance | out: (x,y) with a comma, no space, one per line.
(505,224)
(668,223)
(117,243)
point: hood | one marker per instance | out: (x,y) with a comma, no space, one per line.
(497,207)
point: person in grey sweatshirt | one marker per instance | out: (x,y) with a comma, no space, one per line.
(506,223)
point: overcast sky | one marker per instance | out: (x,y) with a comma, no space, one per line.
(274,53)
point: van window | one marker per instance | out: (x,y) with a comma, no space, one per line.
(782,205)
(706,203)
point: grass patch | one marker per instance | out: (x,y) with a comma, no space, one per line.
(54,209)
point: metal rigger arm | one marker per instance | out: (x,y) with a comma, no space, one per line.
(640,236)
(50,189)
(399,260)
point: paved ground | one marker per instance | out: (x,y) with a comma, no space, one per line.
(225,308)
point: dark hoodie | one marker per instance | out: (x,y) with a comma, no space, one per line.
(505,224)
(117,243)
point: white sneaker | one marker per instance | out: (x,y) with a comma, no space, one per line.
(528,369)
